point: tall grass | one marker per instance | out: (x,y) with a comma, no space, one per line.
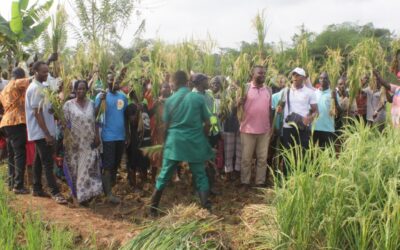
(349,201)
(27,230)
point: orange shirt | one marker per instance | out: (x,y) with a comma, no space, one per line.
(13,100)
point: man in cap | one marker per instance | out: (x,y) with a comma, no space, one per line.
(299,112)
(185,114)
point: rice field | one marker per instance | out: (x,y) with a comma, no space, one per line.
(28,231)
(330,200)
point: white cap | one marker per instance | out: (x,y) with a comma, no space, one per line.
(299,71)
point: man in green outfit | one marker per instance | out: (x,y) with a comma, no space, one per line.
(186,118)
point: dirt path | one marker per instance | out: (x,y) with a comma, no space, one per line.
(111,226)
(90,226)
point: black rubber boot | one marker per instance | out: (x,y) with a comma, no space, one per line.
(106,178)
(205,202)
(155,201)
(210,171)
(132,178)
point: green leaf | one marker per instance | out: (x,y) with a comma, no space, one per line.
(5,28)
(31,34)
(16,19)
(23,4)
(36,13)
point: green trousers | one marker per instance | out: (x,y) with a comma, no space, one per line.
(169,168)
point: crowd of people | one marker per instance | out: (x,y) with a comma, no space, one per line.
(98,126)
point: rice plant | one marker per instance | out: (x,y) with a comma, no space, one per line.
(367,56)
(395,53)
(208,56)
(349,201)
(333,66)
(261,31)
(27,230)
(182,228)
(241,74)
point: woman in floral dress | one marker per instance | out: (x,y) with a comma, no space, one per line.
(81,140)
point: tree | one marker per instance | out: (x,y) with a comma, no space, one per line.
(25,26)
(345,37)
(101,21)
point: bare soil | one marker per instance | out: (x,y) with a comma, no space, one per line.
(105,226)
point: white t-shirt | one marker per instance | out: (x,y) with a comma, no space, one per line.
(300,101)
(35,99)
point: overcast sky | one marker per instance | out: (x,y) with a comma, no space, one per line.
(229,21)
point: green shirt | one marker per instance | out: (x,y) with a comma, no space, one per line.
(186,112)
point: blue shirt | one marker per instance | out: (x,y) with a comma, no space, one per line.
(275,101)
(113,126)
(325,122)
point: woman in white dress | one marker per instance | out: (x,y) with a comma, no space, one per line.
(82,157)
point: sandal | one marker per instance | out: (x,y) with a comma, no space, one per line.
(21,191)
(59,199)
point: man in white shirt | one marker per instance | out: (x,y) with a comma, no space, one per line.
(300,109)
(41,129)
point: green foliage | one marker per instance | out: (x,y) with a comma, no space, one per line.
(345,201)
(345,37)
(25,27)
(333,65)
(27,230)
(99,21)
(364,58)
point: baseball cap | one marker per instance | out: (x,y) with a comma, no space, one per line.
(299,71)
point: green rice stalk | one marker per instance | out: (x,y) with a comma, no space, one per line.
(345,201)
(333,66)
(302,53)
(182,228)
(260,27)
(395,51)
(207,56)
(241,74)
(153,151)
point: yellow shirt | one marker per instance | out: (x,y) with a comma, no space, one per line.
(13,100)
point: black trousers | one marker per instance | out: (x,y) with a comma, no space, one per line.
(112,156)
(44,159)
(292,137)
(323,138)
(16,140)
